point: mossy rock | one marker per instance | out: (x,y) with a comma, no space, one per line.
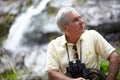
(7,20)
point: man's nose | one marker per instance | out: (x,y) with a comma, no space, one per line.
(80,21)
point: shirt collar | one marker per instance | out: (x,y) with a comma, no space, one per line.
(64,41)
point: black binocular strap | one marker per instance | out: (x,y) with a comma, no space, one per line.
(67,52)
(80,51)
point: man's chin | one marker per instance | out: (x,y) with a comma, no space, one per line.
(82,29)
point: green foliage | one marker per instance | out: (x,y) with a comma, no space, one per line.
(7,20)
(104,65)
(118,77)
(118,50)
(28,4)
(8,75)
(51,11)
(79,1)
(104,68)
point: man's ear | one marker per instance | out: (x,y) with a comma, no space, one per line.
(64,27)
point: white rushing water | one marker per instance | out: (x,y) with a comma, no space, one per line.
(21,26)
(35,57)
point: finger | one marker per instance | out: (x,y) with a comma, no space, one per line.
(82,78)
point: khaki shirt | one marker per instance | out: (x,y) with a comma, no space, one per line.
(93,46)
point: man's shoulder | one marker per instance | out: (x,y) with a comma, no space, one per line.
(57,40)
(92,32)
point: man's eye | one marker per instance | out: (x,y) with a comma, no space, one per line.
(76,19)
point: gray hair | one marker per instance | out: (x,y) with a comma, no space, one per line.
(62,17)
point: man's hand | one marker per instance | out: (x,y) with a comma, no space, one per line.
(79,78)
(56,75)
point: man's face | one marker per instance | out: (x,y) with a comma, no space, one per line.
(75,24)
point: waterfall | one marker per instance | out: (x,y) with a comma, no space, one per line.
(27,25)
(21,26)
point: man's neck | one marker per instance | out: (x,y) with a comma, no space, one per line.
(72,40)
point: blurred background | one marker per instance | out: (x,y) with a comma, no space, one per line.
(27,27)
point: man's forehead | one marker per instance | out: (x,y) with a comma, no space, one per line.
(73,14)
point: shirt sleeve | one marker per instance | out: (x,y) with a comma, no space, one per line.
(103,48)
(52,58)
